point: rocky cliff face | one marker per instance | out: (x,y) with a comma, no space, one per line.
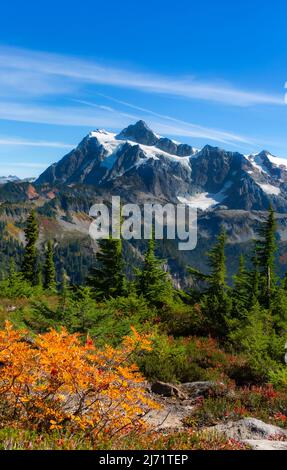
(138,161)
(229,189)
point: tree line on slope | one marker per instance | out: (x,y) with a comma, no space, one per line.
(258,285)
(251,315)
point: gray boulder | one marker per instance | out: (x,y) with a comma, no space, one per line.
(167,390)
(265,444)
(249,428)
(203,389)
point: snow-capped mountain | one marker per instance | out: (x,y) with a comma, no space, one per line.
(7,179)
(229,189)
(137,161)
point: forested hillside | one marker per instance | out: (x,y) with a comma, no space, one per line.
(72,350)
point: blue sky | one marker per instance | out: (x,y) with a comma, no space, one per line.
(200,72)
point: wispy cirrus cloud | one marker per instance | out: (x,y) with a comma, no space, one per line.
(179,127)
(11,141)
(176,127)
(94,115)
(62,115)
(27,78)
(33,73)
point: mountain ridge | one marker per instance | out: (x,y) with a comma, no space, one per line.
(138,159)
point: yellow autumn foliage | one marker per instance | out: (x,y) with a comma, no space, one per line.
(55,381)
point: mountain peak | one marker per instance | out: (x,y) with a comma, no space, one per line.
(140,133)
(141,124)
(264,153)
(8,179)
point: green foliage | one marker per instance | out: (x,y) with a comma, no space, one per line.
(9,249)
(30,266)
(180,319)
(265,249)
(216,302)
(15,286)
(49,269)
(41,316)
(264,403)
(19,439)
(106,277)
(75,257)
(241,292)
(77,310)
(256,337)
(217,278)
(278,377)
(186,360)
(249,320)
(278,309)
(152,281)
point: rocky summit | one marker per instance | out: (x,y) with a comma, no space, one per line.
(140,162)
(228,189)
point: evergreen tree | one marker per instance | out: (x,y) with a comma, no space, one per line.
(216,302)
(16,281)
(14,285)
(216,280)
(49,269)
(265,249)
(29,266)
(64,287)
(254,276)
(253,336)
(64,291)
(39,273)
(278,309)
(12,274)
(217,263)
(242,291)
(152,282)
(106,277)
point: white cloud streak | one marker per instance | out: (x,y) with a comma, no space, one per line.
(93,115)
(60,115)
(33,72)
(179,127)
(11,141)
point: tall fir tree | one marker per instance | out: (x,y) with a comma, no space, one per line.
(30,261)
(254,276)
(265,249)
(65,291)
(216,302)
(106,277)
(12,274)
(217,263)
(152,281)
(49,269)
(15,279)
(241,292)
(216,280)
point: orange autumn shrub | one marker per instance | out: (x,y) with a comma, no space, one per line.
(55,382)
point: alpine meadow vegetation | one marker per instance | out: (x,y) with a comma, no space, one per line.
(76,358)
